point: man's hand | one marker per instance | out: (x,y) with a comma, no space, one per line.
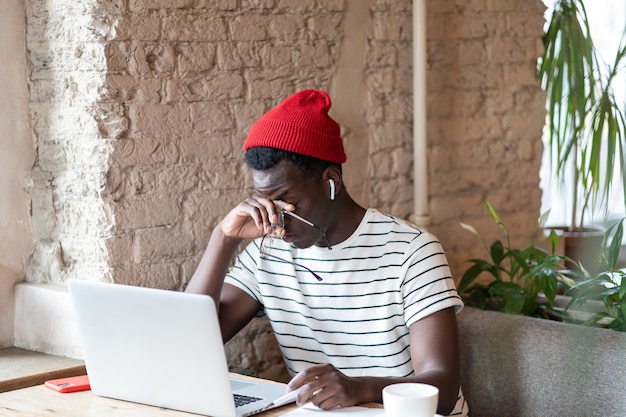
(327,388)
(434,352)
(248,220)
(252,218)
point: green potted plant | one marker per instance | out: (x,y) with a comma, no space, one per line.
(586,125)
(533,282)
(608,288)
(522,280)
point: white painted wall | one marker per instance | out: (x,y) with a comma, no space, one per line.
(17,154)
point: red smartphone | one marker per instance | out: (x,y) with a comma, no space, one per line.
(70,384)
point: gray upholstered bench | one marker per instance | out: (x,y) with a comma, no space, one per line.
(521,366)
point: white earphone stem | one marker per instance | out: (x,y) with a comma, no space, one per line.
(332,188)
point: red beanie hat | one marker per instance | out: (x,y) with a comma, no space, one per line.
(300,124)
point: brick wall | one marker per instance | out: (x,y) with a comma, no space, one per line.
(193,80)
(141,108)
(485,120)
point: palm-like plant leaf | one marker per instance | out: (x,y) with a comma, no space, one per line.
(586,128)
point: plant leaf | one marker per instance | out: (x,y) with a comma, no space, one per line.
(472,273)
(469,228)
(497,252)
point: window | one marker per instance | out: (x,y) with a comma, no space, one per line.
(607,20)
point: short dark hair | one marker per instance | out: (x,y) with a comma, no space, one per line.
(260,158)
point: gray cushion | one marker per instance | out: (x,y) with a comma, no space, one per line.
(521,366)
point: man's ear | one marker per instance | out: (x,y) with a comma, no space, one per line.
(333,181)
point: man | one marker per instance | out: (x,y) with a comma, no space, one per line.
(357,299)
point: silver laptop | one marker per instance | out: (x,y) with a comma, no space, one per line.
(162,348)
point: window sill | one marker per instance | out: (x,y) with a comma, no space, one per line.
(20,368)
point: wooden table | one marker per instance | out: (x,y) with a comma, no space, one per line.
(39,401)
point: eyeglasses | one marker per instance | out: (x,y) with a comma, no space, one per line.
(277,232)
(266,252)
(278,229)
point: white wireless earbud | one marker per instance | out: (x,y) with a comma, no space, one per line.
(332,188)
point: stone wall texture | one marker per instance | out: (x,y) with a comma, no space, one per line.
(141,107)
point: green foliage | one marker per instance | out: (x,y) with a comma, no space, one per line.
(587,127)
(608,287)
(523,281)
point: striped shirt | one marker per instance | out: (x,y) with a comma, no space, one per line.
(376,283)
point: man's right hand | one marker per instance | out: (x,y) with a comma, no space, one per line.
(252,218)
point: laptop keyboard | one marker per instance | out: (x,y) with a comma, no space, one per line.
(241,399)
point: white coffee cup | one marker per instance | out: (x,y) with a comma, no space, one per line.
(410,399)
